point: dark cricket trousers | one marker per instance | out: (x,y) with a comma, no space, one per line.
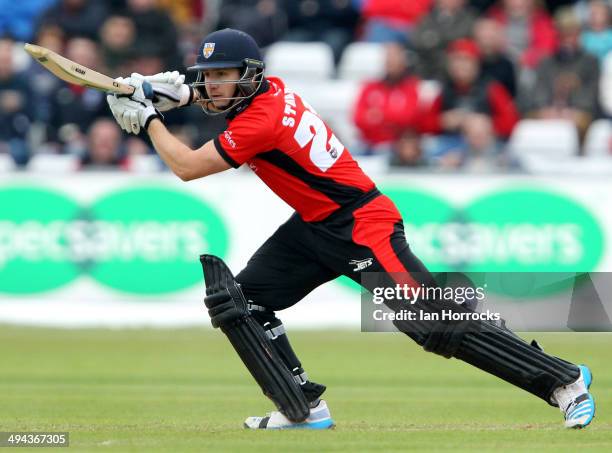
(365,237)
(369,237)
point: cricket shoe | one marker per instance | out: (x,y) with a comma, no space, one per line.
(575,401)
(319,418)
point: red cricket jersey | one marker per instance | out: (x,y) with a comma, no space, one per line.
(294,152)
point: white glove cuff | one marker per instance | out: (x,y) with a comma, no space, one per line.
(186,93)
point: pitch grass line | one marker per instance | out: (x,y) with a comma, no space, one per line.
(185,390)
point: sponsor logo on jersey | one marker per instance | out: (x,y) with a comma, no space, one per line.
(209,48)
(360,264)
(230,140)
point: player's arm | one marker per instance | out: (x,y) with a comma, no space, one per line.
(138,112)
(186,163)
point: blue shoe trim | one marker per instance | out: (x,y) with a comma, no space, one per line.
(586,373)
(582,411)
(323,424)
(578,415)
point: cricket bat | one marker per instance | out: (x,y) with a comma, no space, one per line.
(75,73)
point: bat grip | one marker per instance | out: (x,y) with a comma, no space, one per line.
(147,89)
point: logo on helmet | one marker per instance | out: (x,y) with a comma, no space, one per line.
(209,48)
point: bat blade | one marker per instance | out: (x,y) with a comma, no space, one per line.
(75,73)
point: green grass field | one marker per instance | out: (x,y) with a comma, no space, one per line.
(185,390)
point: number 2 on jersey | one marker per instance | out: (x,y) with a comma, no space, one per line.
(312,128)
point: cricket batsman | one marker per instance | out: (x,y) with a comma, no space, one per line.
(342,225)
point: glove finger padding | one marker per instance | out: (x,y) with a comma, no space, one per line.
(111,100)
(169,90)
(118,109)
(162,91)
(132,115)
(170,77)
(132,124)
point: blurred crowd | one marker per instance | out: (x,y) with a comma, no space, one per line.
(493,63)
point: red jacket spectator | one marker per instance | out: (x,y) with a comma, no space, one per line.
(467,92)
(541,35)
(385,110)
(496,103)
(400,13)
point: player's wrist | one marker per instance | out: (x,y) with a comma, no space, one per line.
(187,95)
(149,115)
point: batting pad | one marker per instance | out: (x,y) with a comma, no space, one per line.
(228,309)
(507,356)
(491,347)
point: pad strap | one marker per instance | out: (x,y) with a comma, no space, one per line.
(274,332)
(300,376)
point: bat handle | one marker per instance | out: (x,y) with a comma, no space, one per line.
(147,90)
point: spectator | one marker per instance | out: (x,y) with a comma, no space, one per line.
(43,83)
(448,21)
(554,5)
(134,149)
(494,64)
(19,18)
(155,32)
(528,31)
(567,83)
(52,37)
(74,108)
(330,21)
(16,106)
(388,108)
(104,145)
(484,154)
(390,20)
(76,17)
(189,42)
(407,151)
(473,113)
(186,12)
(264,20)
(146,61)
(117,37)
(597,39)
(202,128)
(481,6)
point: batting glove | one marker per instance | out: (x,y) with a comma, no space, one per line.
(132,114)
(169,89)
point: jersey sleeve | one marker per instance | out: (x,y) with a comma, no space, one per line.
(249,134)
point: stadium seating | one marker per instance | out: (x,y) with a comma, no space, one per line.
(605,85)
(362,61)
(551,147)
(311,61)
(598,140)
(6,163)
(333,100)
(147,163)
(543,146)
(553,138)
(53,163)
